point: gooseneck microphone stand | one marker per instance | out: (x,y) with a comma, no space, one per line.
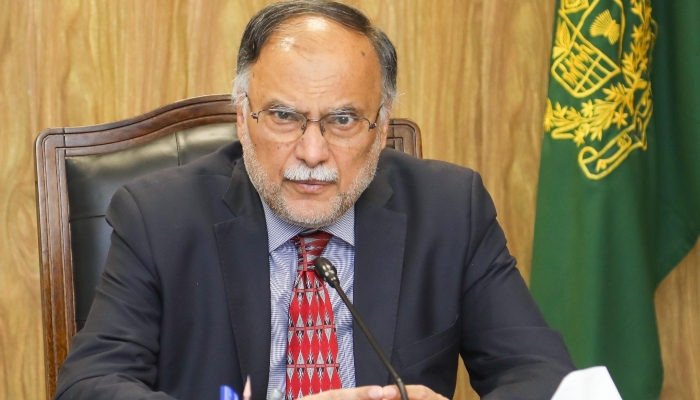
(329,274)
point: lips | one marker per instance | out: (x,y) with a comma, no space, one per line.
(310,186)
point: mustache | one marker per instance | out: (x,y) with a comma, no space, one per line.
(302,172)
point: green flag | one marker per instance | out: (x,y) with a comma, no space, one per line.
(619,188)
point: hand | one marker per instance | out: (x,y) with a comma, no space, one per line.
(360,393)
(414,392)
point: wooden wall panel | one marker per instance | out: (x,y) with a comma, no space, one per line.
(472,73)
(678,316)
(21,354)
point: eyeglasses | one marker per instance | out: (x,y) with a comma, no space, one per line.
(284,125)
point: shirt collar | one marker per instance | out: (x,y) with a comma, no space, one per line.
(280,231)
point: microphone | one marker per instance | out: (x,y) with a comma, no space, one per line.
(329,274)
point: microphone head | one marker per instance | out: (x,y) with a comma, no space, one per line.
(327,270)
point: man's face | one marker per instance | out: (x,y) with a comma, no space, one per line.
(313,66)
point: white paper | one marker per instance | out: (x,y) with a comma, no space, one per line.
(592,383)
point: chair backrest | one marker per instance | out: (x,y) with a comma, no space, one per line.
(79,169)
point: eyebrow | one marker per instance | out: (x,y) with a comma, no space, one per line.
(344,110)
(276,105)
(280,106)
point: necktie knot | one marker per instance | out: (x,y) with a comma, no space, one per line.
(309,248)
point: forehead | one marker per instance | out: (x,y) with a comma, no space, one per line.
(304,31)
(312,58)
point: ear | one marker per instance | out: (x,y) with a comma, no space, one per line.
(384,127)
(240,117)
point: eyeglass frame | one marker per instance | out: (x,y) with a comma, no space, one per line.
(372,125)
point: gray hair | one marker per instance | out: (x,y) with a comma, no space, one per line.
(268,20)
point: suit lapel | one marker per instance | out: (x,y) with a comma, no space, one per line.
(379,247)
(243,250)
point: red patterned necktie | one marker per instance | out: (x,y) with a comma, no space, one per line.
(312,346)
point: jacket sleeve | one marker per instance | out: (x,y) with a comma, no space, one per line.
(114,356)
(507,346)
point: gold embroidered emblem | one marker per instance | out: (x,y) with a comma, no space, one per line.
(605,25)
(605,78)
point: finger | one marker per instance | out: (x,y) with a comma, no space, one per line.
(414,392)
(420,392)
(391,392)
(360,393)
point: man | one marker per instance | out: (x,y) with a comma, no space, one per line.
(209,274)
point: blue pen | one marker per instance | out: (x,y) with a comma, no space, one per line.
(226,393)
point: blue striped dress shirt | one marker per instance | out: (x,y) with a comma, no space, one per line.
(283,269)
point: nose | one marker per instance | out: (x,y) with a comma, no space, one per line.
(312,148)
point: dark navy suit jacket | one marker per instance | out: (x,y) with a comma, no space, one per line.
(184,302)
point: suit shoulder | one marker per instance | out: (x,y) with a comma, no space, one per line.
(432,187)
